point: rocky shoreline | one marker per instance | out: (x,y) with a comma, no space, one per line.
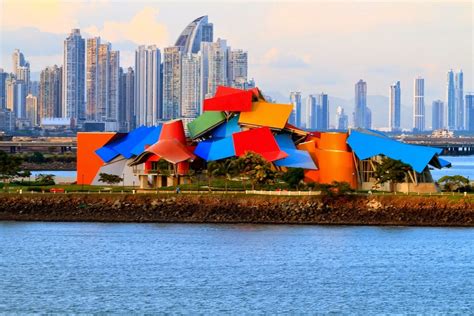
(344,210)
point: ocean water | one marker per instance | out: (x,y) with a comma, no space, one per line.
(234,269)
(461,165)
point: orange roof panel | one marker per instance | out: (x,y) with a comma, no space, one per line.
(263,113)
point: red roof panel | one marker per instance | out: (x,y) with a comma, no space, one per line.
(229,99)
(260,141)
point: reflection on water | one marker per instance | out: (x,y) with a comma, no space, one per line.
(241,269)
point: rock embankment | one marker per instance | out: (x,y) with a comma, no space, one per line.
(345,210)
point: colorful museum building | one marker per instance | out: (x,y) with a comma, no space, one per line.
(235,122)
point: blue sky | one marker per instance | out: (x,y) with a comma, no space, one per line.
(310,46)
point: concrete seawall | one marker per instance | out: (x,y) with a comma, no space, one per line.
(323,210)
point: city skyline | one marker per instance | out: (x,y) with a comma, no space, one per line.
(372,86)
(332,69)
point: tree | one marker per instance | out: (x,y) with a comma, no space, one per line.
(391,170)
(45,179)
(37,157)
(109,178)
(227,169)
(10,166)
(293,177)
(454,183)
(256,168)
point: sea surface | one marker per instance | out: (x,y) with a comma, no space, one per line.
(234,269)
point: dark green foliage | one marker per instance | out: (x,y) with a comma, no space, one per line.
(294,177)
(44,179)
(109,178)
(10,166)
(36,157)
(256,168)
(455,183)
(390,170)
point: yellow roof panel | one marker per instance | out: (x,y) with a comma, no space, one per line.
(263,113)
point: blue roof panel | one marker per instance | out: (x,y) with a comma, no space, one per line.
(152,137)
(106,153)
(367,145)
(217,149)
(285,141)
(130,141)
(228,128)
(296,159)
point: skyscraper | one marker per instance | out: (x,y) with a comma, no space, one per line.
(50,93)
(126,103)
(32,109)
(313,111)
(470,111)
(191,86)
(451,102)
(74,77)
(419,105)
(360,114)
(198,31)
(15,91)
(394,107)
(342,121)
(148,109)
(323,119)
(92,77)
(238,68)
(459,100)
(215,60)
(18,60)
(3,97)
(295,117)
(171,83)
(437,117)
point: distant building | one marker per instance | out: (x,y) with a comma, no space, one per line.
(74,77)
(92,74)
(198,31)
(470,111)
(323,119)
(50,93)
(7,120)
(342,121)
(437,116)
(191,86)
(394,107)
(15,91)
(32,109)
(459,100)
(126,100)
(450,102)
(313,111)
(171,83)
(215,66)
(419,105)
(295,117)
(361,117)
(238,67)
(148,102)
(3,96)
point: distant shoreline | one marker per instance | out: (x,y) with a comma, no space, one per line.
(233,209)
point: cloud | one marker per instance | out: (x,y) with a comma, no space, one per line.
(53,16)
(143,28)
(274,58)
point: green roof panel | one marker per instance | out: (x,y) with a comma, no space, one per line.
(205,122)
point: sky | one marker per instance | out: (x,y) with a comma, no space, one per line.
(308,46)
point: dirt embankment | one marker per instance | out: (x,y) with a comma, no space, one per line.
(346,210)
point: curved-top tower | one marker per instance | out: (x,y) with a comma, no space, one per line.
(199,30)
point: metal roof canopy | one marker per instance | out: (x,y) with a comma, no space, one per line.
(367,144)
